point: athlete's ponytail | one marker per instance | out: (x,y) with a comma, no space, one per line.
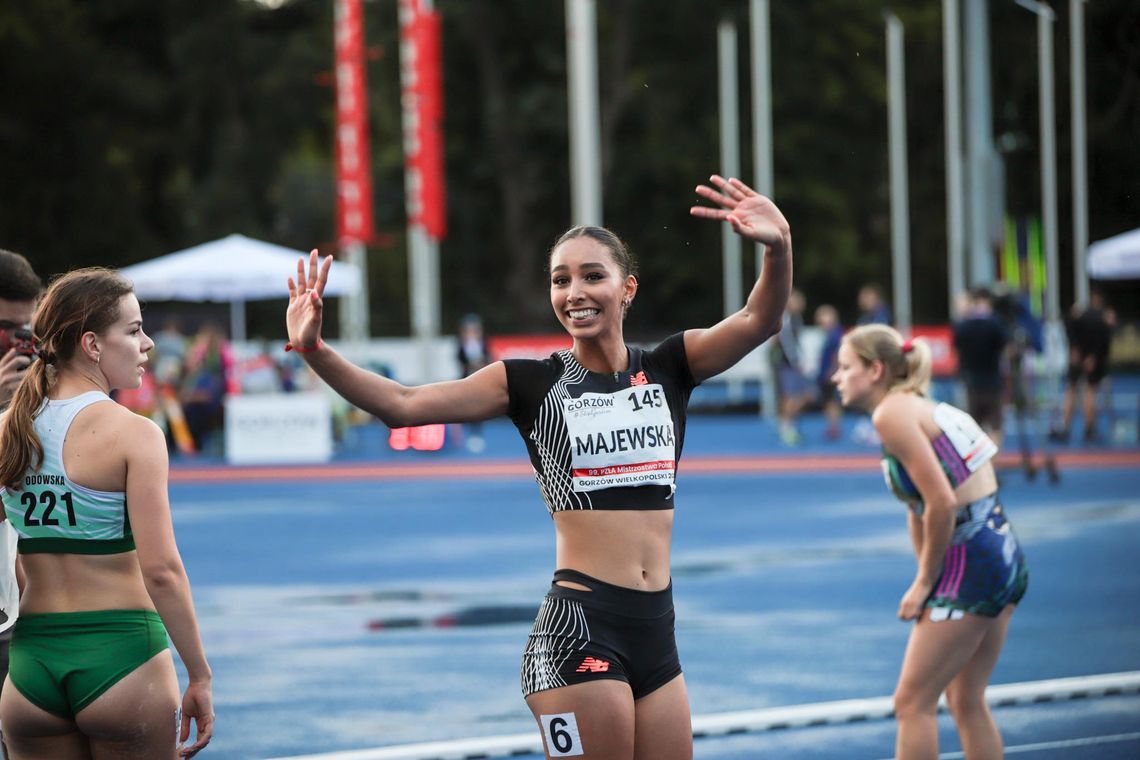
(19,443)
(907,363)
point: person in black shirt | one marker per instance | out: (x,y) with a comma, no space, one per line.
(980,339)
(1090,336)
(20,288)
(604,426)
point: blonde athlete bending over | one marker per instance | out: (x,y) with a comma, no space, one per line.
(604,424)
(971,572)
(85,487)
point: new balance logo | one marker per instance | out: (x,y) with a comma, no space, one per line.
(638,379)
(592,665)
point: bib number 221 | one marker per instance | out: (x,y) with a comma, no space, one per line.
(48,501)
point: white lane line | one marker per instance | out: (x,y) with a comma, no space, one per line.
(1017,749)
(753,721)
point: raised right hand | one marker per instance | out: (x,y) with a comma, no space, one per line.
(306,307)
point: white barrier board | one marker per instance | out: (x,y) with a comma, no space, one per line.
(278,428)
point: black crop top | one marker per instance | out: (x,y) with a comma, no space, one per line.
(607,440)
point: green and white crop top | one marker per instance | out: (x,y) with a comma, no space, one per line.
(962,448)
(54,515)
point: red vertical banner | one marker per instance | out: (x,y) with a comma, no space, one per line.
(353,167)
(421,64)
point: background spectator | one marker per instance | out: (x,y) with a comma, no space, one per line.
(206,381)
(472,357)
(873,308)
(980,339)
(20,287)
(792,389)
(1090,336)
(1026,337)
(169,353)
(827,319)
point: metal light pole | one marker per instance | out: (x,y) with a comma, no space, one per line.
(955,217)
(900,217)
(1080,156)
(758,15)
(729,159)
(761,105)
(1048,129)
(731,245)
(981,159)
(585,140)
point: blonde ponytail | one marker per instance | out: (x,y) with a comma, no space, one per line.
(919,359)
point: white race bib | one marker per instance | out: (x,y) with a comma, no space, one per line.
(620,439)
(965,435)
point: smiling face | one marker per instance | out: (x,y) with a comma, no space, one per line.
(857,380)
(587,288)
(123,346)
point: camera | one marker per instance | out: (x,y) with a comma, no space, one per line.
(19,340)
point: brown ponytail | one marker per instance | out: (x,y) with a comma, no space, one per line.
(86,300)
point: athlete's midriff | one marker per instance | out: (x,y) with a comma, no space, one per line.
(73,582)
(627,548)
(980,485)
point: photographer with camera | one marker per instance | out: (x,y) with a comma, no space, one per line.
(19,290)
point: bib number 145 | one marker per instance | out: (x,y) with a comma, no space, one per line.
(646,398)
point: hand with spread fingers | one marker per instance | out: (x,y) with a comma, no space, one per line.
(306,305)
(752,216)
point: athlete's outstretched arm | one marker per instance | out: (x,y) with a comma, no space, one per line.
(480,396)
(755,218)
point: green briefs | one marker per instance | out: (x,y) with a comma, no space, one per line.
(63,661)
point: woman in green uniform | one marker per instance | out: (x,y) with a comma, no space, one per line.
(84,483)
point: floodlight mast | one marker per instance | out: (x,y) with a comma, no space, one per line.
(1048,148)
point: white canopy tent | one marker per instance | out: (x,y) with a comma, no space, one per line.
(234,269)
(1115,258)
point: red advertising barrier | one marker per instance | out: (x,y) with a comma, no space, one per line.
(422,438)
(941,340)
(526,346)
(353,167)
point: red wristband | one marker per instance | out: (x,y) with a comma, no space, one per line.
(302,349)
